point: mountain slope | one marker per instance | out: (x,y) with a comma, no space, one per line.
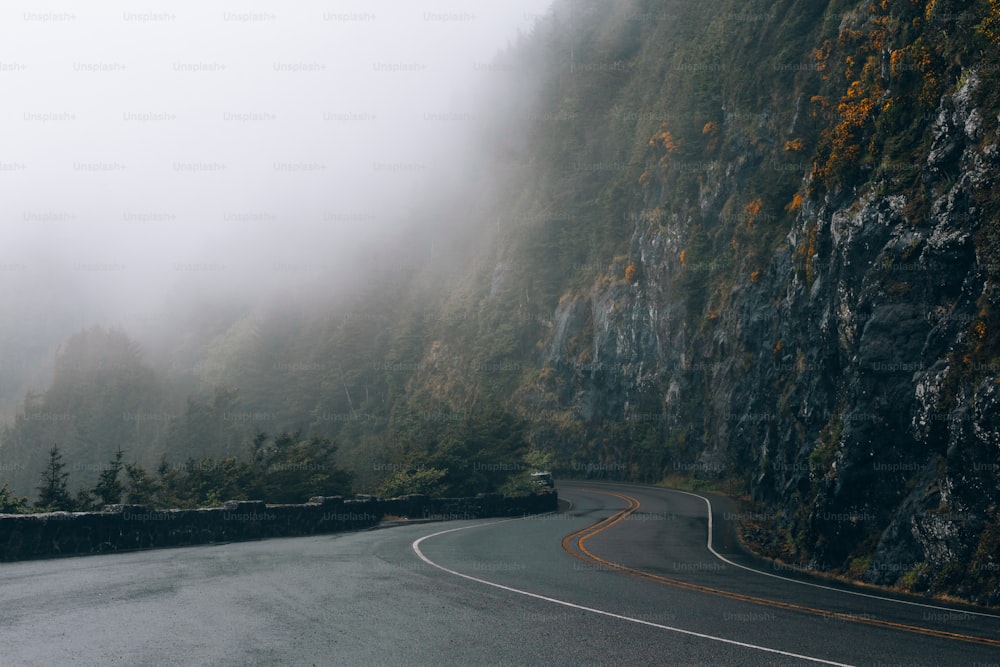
(758,247)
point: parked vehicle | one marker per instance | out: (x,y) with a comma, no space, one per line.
(543,479)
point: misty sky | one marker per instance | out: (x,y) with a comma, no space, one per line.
(145,144)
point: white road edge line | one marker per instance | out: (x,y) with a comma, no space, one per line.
(420,554)
(809,583)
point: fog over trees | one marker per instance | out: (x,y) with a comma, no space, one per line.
(183,174)
(157,158)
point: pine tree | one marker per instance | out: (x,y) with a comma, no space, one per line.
(53,492)
(11,504)
(84,500)
(109,488)
(142,487)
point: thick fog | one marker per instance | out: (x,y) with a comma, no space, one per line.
(189,147)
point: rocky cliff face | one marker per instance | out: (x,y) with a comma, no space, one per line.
(882,428)
(833,355)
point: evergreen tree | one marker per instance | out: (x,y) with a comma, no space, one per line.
(84,501)
(141,488)
(109,488)
(53,492)
(11,504)
(291,469)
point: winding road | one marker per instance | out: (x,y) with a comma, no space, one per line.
(625,575)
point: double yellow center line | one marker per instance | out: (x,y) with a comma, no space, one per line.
(575,545)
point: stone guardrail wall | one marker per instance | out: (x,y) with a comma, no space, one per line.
(131,527)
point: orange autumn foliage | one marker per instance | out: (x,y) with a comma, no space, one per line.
(795,204)
(796,145)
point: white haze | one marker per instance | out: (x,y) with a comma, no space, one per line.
(191,147)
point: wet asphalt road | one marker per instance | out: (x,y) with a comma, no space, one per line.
(368,598)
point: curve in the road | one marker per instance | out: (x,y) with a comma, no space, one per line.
(420,554)
(575,545)
(883,598)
